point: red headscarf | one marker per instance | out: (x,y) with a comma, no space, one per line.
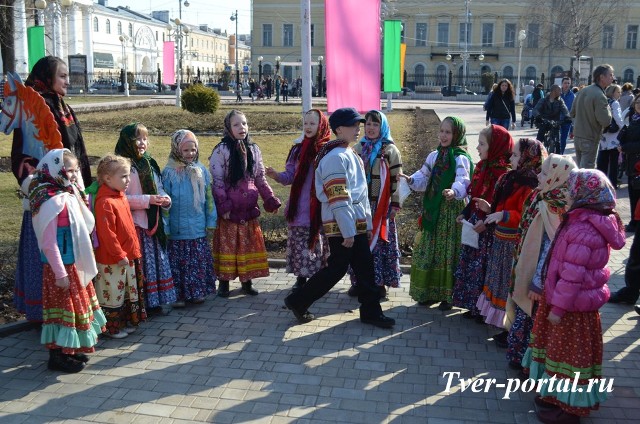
(305,153)
(490,169)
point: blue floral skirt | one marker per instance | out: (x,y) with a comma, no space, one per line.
(192,268)
(27,293)
(159,289)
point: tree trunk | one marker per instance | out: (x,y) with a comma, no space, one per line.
(7,29)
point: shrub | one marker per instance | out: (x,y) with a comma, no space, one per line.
(487,80)
(200,99)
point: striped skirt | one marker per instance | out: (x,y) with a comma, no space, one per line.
(239,251)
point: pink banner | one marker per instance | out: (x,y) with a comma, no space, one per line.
(352,31)
(169,63)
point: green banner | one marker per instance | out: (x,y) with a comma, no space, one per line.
(391,53)
(35,40)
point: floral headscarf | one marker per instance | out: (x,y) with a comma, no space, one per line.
(371,148)
(496,164)
(241,160)
(191,170)
(590,188)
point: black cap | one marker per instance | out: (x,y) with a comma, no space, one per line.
(344,117)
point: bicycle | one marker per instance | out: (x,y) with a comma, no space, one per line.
(552,135)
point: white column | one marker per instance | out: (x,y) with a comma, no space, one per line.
(56,17)
(88,37)
(305,18)
(20,37)
(73,28)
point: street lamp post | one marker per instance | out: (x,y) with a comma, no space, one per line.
(234,17)
(179,30)
(277,64)
(260,59)
(521,37)
(124,38)
(320,59)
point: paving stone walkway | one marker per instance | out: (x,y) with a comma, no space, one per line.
(246,360)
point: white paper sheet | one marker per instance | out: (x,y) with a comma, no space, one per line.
(469,235)
(403,190)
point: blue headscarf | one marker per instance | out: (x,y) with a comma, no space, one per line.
(371,148)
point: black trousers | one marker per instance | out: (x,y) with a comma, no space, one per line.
(607,162)
(361,261)
(632,269)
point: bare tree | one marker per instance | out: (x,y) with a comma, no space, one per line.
(7,30)
(579,26)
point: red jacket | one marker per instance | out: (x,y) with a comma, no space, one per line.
(114,226)
(511,207)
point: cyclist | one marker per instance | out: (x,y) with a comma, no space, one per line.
(551,108)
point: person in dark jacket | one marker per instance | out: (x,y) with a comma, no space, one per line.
(501,109)
(551,108)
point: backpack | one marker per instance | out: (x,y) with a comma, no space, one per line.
(536,95)
(613,126)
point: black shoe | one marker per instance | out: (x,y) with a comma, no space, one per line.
(426,302)
(353,291)
(381,321)
(80,357)
(247,289)
(444,306)
(383,294)
(631,227)
(58,361)
(469,315)
(515,365)
(637,308)
(501,340)
(623,296)
(223,288)
(302,317)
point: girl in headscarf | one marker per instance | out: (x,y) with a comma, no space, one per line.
(444,179)
(192,213)
(238,178)
(494,146)
(307,253)
(50,78)
(512,190)
(382,165)
(566,341)
(543,211)
(72,318)
(147,198)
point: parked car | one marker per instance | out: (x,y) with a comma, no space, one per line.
(104,84)
(455,90)
(144,86)
(214,85)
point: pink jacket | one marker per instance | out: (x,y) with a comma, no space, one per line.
(577,276)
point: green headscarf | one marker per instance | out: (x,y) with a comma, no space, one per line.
(444,173)
(145,165)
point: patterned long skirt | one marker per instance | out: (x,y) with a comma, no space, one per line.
(492,302)
(435,257)
(471,270)
(239,251)
(72,317)
(159,289)
(192,268)
(386,260)
(27,293)
(519,335)
(120,291)
(567,350)
(301,261)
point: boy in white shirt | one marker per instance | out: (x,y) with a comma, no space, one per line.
(341,186)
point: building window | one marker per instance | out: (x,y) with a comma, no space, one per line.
(510,35)
(421,35)
(267,35)
(119,28)
(130,30)
(156,35)
(96,27)
(287,35)
(632,36)
(108,26)
(465,36)
(443,34)
(627,75)
(487,35)
(266,69)
(419,75)
(312,35)
(532,36)
(441,75)
(530,72)
(507,72)
(607,36)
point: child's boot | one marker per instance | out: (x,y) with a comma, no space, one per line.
(247,289)
(58,361)
(223,288)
